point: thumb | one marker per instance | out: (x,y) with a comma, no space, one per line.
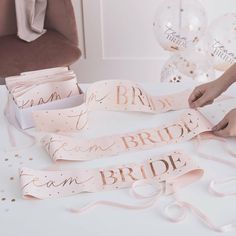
(195,95)
(224,132)
(221,125)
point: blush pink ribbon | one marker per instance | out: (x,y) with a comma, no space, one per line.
(152,198)
(12,123)
(184,206)
(214,183)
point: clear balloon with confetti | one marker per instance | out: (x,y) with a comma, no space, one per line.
(188,65)
(179,24)
(221,41)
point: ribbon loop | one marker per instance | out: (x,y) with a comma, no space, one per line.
(214,183)
(158,188)
(182,212)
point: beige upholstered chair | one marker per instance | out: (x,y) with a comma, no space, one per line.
(57,47)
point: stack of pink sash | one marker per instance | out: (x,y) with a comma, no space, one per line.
(168,172)
(40,87)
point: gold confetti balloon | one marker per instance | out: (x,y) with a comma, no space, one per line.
(179,24)
(221,41)
(186,66)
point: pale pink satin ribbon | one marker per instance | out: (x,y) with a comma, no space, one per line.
(150,199)
(11,122)
(186,206)
(211,157)
(213,183)
(7,116)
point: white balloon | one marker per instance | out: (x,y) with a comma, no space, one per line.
(221,41)
(179,24)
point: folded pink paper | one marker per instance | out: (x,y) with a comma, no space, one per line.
(188,126)
(112,95)
(173,169)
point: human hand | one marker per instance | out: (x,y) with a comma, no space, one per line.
(205,94)
(227,126)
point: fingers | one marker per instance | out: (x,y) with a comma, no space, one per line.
(209,102)
(221,125)
(222,128)
(202,101)
(199,98)
(223,132)
(196,94)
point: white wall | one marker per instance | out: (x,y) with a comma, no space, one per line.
(117,40)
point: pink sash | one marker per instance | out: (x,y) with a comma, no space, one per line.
(40,87)
(173,169)
(112,95)
(188,126)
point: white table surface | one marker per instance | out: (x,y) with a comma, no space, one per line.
(49,217)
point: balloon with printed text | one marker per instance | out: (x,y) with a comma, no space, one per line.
(179,24)
(220,41)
